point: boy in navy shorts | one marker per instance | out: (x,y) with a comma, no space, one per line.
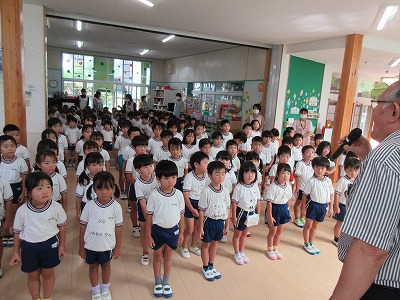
(164,224)
(214,205)
(320,189)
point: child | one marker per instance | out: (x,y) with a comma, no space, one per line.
(22,151)
(278,199)
(341,160)
(241,141)
(108,135)
(232,148)
(144,126)
(297,146)
(189,144)
(6,195)
(88,147)
(173,125)
(162,152)
(205,147)
(284,154)
(155,142)
(217,139)
(255,159)
(246,129)
(256,146)
(318,138)
(46,161)
(55,124)
(73,134)
(324,150)
(87,131)
(288,141)
(320,189)
(274,141)
(245,209)
(230,178)
(50,134)
(289,131)
(48,144)
(225,130)
(199,129)
(129,150)
(193,184)
(175,148)
(268,152)
(304,171)
(214,207)
(351,167)
(255,128)
(101,241)
(139,144)
(39,232)
(97,136)
(164,224)
(137,115)
(120,143)
(94,164)
(145,183)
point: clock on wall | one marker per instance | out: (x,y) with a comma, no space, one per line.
(53,83)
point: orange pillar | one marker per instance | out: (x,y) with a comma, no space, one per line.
(12,43)
(347,91)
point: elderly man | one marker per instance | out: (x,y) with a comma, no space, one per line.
(369,245)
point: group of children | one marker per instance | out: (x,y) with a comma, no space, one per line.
(181,186)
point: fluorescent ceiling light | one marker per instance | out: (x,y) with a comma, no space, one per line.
(148,3)
(79,44)
(168,38)
(387,16)
(394,62)
(144,51)
(78,25)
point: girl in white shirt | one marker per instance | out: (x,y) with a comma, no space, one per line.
(189,144)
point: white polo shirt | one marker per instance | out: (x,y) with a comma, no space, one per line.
(273,169)
(319,190)
(342,187)
(230,181)
(160,154)
(153,144)
(100,221)
(215,203)
(120,143)
(275,146)
(59,186)
(143,188)
(62,146)
(235,164)
(61,169)
(130,168)
(108,135)
(187,151)
(225,138)
(178,136)
(246,196)
(194,184)
(296,153)
(128,152)
(79,147)
(22,152)
(269,153)
(215,150)
(181,163)
(279,194)
(6,195)
(73,134)
(82,189)
(13,169)
(106,156)
(304,171)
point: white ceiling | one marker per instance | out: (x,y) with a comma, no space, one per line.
(261,22)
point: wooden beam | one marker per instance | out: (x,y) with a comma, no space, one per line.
(347,90)
(266,80)
(12,43)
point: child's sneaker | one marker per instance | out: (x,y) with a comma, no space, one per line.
(158,290)
(245,259)
(136,232)
(185,253)
(167,291)
(224,239)
(145,259)
(106,295)
(96,296)
(249,234)
(309,248)
(302,220)
(1,272)
(5,241)
(298,223)
(195,250)
(271,255)
(123,195)
(216,273)
(278,254)
(238,259)
(10,242)
(128,210)
(208,274)
(316,250)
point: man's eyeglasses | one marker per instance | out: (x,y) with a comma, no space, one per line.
(374,103)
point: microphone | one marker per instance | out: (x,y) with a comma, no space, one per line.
(353,136)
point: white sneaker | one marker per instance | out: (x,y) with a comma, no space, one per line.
(224,239)
(106,295)
(1,272)
(145,260)
(246,260)
(195,250)
(208,274)
(271,255)
(123,196)
(238,259)
(185,253)
(309,248)
(278,254)
(216,273)
(316,250)
(96,297)
(128,209)
(136,232)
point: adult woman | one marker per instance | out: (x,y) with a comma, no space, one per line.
(97,102)
(256,116)
(129,105)
(304,126)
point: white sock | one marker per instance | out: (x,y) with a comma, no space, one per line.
(96,289)
(105,286)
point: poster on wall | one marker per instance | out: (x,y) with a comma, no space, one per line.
(252,95)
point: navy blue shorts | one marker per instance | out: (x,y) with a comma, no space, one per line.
(96,257)
(17,191)
(300,196)
(82,205)
(281,214)
(316,211)
(179,184)
(141,216)
(120,161)
(107,146)
(80,158)
(241,215)
(43,255)
(71,148)
(168,236)
(213,230)
(188,213)
(132,193)
(340,217)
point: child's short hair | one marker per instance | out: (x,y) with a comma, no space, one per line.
(197,157)
(231,143)
(257,139)
(47,132)
(351,162)
(321,147)
(47,144)
(53,121)
(246,125)
(318,136)
(90,144)
(142,160)
(97,136)
(224,155)
(107,122)
(145,116)
(9,128)
(85,127)
(217,134)
(203,142)
(174,122)
(253,122)
(275,132)
(223,122)
(103,180)
(247,166)
(240,136)
(283,167)
(41,156)
(166,133)
(251,155)
(91,158)
(175,142)
(155,125)
(88,117)
(72,119)
(33,179)
(284,149)
(125,123)
(166,168)
(215,165)
(139,140)
(4,138)
(287,140)
(287,131)
(266,134)
(298,136)
(188,132)
(199,124)
(133,129)
(306,147)
(320,161)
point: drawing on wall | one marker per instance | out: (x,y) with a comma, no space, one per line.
(252,95)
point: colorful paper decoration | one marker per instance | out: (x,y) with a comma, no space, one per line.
(102,63)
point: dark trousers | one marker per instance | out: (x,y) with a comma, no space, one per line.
(381,292)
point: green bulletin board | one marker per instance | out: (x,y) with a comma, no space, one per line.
(303,89)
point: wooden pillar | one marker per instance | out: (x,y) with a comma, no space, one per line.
(12,43)
(266,80)
(347,90)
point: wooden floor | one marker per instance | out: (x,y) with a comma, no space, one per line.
(298,276)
